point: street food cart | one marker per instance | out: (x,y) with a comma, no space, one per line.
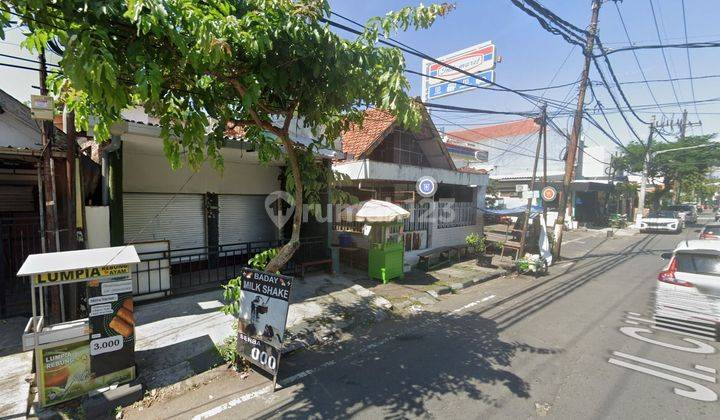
(383,224)
(75,357)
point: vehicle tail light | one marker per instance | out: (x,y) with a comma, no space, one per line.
(708,235)
(668,275)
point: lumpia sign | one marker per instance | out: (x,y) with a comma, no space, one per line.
(70,276)
(264,300)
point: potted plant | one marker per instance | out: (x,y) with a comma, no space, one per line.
(477,242)
(532,264)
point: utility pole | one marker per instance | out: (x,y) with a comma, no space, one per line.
(544,182)
(643,181)
(543,121)
(683,125)
(50,195)
(575,136)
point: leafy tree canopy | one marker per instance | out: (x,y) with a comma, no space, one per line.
(682,165)
(205,65)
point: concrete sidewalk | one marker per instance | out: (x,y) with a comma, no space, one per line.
(15,369)
(423,288)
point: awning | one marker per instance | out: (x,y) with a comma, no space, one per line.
(374,211)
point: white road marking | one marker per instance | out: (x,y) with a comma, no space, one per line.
(574,240)
(666,367)
(634,313)
(631,322)
(699,392)
(700,347)
(705,369)
(471,304)
(232,403)
(646,321)
(305,373)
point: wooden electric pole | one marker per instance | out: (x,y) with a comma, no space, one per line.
(575,135)
(57,299)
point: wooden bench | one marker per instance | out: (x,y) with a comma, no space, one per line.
(445,254)
(303,265)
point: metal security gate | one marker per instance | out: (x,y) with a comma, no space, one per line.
(155,217)
(20,237)
(243,218)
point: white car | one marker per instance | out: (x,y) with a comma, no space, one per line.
(662,221)
(687,212)
(687,295)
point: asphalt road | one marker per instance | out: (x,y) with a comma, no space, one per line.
(572,345)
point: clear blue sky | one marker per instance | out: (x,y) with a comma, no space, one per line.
(531,56)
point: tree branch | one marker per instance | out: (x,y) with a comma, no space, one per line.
(265,124)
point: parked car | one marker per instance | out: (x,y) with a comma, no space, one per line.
(687,294)
(710,232)
(717,215)
(689,212)
(662,221)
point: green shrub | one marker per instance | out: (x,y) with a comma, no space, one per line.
(228,349)
(477,242)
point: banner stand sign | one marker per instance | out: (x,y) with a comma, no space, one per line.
(76,357)
(264,302)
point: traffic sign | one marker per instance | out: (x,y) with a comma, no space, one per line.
(549,193)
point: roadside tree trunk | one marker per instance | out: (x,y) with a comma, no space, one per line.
(288,250)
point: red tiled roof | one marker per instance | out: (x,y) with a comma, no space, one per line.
(358,140)
(472,170)
(489,132)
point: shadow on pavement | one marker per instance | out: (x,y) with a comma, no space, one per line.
(401,372)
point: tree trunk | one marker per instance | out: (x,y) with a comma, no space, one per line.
(288,250)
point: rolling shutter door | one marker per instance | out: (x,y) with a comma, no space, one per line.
(242,218)
(181,220)
(17,199)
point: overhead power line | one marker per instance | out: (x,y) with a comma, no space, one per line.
(662,51)
(417,53)
(637,60)
(685,45)
(689,61)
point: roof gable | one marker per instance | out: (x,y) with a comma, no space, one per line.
(360,140)
(378,125)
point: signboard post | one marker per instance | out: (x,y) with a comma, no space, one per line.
(440,80)
(264,301)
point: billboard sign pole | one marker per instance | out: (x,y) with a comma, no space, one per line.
(442,81)
(264,301)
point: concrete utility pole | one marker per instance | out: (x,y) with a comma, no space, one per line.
(683,125)
(575,136)
(643,181)
(543,121)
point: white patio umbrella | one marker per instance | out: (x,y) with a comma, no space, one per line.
(374,211)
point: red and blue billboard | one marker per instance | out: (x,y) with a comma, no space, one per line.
(440,80)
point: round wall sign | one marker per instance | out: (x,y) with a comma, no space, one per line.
(426,186)
(549,193)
